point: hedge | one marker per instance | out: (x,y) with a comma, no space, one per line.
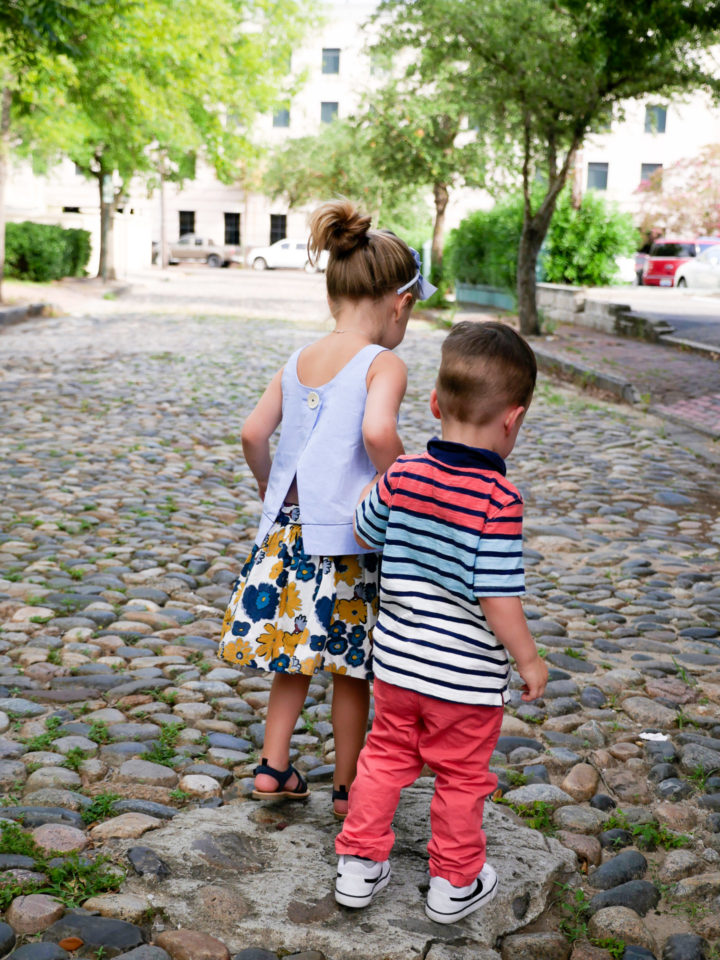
(41,251)
(580,247)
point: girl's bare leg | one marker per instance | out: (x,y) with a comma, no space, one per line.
(287,697)
(350,708)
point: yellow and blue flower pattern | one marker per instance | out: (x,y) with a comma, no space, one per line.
(291,612)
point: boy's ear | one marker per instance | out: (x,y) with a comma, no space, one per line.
(513,418)
(434,405)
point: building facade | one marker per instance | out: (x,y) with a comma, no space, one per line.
(332,71)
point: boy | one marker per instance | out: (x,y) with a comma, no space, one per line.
(450,527)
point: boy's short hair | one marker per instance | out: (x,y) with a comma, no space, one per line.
(485,368)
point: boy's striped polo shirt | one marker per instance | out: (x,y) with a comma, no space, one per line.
(450,528)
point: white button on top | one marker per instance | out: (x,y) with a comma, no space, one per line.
(313,399)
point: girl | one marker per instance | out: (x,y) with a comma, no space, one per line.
(306,599)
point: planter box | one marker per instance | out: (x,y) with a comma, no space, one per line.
(484,296)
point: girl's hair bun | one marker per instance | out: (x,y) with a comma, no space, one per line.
(339,227)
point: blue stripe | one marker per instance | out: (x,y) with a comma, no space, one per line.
(419,625)
(476,475)
(463,491)
(476,531)
(443,684)
(495,668)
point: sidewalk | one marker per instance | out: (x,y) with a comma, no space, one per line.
(681,386)
(676,384)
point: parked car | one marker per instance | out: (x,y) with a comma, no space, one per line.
(285,253)
(193,247)
(640,261)
(703,270)
(665,256)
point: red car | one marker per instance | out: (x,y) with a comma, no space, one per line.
(665,256)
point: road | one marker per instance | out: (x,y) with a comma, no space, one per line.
(695,315)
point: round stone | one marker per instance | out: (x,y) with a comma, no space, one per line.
(127,825)
(620,923)
(201,786)
(192,945)
(59,837)
(581,782)
(578,819)
(33,913)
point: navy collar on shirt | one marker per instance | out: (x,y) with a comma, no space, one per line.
(460,455)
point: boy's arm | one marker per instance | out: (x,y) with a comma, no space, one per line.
(506,619)
(499,583)
(372,514)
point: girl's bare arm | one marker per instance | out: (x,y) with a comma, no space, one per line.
(387,382)
(257,430)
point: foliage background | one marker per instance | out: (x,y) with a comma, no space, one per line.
(580,248)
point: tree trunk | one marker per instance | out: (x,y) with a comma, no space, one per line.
(530,243)
(5,101)
(440,192)
(106,266)
(163,225)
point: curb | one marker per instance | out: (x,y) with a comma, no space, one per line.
(679,343)
(585,376)
(10,315)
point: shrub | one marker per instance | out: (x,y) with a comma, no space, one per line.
(581,245)
(78,246)
(42,251)
(483,248)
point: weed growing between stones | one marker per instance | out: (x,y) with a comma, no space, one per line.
(101,808)
(74,758)
(99,732)
(163,751)
(648,836)
(537,815)
(72,881)
(44,741)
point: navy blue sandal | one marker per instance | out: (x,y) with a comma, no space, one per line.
(299,792)
(340,794)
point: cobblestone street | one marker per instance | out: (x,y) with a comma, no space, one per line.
(126,510)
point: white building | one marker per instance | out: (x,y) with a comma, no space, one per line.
(337,71)
(653,134)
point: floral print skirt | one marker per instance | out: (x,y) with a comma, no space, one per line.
(291,612)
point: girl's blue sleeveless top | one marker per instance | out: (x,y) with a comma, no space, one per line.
(321,445)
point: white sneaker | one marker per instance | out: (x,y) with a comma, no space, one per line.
(446,903)
(359,879)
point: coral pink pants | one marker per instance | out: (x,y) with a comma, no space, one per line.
(456,741)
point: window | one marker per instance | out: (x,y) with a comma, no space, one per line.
(71,209)
(655,119)
(328,111)
(187,222)
(79,172)
(281,118)
(278,227)
(673,250)
(647,170)
(597,176)
(232,228)
(331,60)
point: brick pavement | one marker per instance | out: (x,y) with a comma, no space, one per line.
(678,384)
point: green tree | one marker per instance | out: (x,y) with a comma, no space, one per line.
(149,87)
(338,161)
(541,75)
(34,37)
(417,134)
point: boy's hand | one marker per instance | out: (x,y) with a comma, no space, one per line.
(535,675)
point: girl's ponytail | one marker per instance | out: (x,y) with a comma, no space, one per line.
(362,262)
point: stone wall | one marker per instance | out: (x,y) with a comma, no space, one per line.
(564,304)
